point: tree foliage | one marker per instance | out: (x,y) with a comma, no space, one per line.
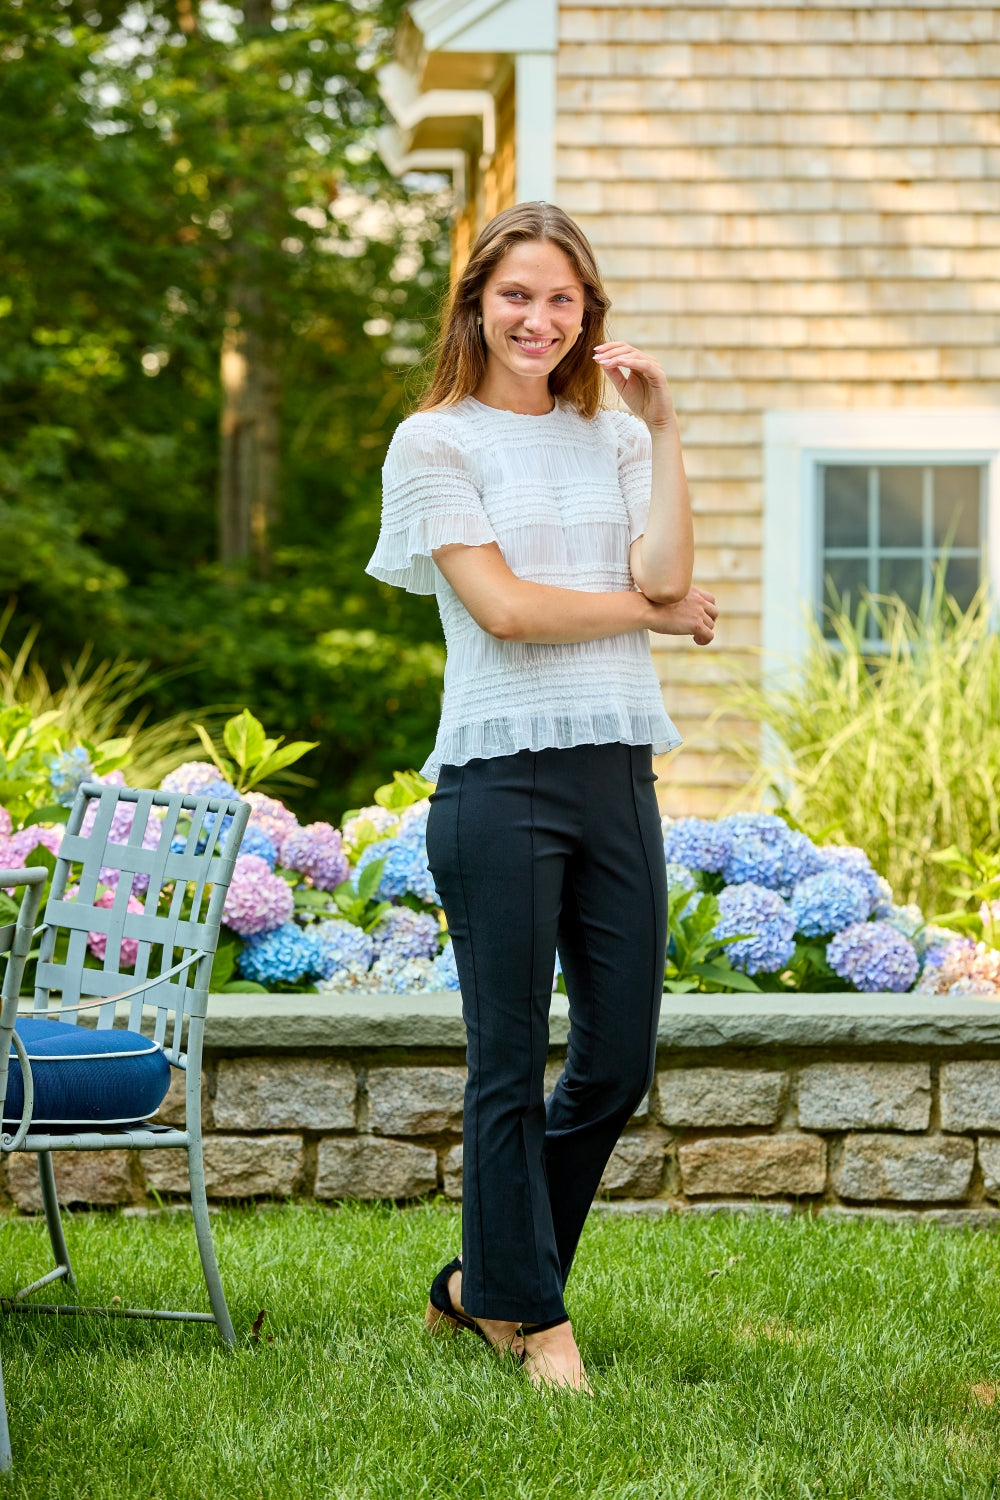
(169,171)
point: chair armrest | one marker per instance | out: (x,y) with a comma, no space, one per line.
(18,948)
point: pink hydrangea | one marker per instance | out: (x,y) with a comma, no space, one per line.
(190,778)
(317,851)
(257,901)
(962,968)
(6,826)
(15,849)
(273,818)
(121,827)
(97,942)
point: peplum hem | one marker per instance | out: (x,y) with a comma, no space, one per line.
(613,724)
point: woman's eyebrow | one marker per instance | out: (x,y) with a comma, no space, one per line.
(521,286)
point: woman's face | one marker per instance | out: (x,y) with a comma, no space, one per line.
(533,306)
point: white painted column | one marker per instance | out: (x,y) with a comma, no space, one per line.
(535,126)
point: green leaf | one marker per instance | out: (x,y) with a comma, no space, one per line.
(41,857)
(51,813)
(369,878)
(725,975)
(243,987)
(286,755)
(375,916)
(228,770)
(244,738)
(223,964)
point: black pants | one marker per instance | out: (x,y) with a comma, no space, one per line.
(531,851)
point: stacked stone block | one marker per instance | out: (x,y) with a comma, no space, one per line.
(832,1135)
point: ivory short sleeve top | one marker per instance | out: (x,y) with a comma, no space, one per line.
(563,497)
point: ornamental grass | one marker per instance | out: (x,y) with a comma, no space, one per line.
(893,747)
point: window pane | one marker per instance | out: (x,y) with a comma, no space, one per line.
(962,579)
(903,576)
(845,506)
(956,504)
(900,496)
(847,577)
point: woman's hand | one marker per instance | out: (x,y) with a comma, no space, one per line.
(644,390)
(694,615)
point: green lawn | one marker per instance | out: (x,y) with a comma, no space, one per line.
(730,1357)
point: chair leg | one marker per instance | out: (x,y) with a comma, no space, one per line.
(5,1455)
(50,1201)
(203,1230)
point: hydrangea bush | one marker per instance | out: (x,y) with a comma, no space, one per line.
(755,903)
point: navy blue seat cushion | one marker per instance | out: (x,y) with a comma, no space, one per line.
(85,1077)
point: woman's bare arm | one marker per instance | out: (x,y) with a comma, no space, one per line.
(662,558)
(513,609)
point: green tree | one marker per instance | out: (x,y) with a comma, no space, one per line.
(211,295)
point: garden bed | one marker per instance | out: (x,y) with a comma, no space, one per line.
(831,1104)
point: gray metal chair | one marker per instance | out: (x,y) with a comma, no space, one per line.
(183,883)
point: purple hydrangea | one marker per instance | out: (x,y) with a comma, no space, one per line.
(827,902)
(404,934)
(874,956)
(257,900)
(255,841)
(271,817)
(284,955)
(854,862)
(121,827)
(406,870)
(317,851)
(698,843)
(763,850)
(766,918)
(191,778)
(66,771)
(15,849)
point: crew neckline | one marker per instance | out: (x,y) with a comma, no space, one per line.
(533,416)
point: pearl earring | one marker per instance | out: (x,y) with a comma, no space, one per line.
(479,322)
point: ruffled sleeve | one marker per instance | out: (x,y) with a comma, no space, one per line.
(429,499)
(635,468)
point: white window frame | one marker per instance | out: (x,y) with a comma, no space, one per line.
(796,443)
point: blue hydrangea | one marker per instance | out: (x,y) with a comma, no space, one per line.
(217,789)
(874,956)
(827,902)
(885,900)
(444,971)
(404,934)
(406,870)
(854,862)
(680,878)
(66,771)
(413,822)
(763,850)
(338,944)
(256,841)
(698,843)
(286,955)
(768,921)
(411,977)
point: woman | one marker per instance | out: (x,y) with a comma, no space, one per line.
(555,535)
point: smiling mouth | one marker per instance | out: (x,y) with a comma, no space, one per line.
(523,343)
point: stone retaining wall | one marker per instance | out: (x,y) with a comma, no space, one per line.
(886,1105)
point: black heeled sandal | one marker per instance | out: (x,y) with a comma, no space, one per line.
(442,1316)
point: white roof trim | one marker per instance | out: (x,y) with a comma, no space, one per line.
(486,25)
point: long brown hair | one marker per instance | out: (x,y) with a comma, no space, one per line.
(461,351)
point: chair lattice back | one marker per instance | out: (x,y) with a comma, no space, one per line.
(168,859)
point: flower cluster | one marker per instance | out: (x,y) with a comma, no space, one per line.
(193,778)
(317,851)
(828,902)
(762,922)
(697,843)
(271,817)
(874,956)
(97,942)
(406,871)
(66,772)
(963,967)
(285,955)
(257,900)
(403,934)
